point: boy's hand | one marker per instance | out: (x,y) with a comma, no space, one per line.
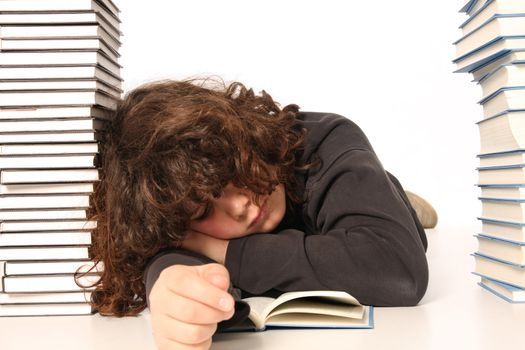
(213,248)
(186,303)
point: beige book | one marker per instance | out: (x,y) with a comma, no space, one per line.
(499,192)
(487,53)
(490,30)
(508,292)
(513,252)
(504,230)
(508,58)
(502,175)
(51,238)
(491,8)
(502,133)
(502,101)
(502,158)
(505,272)
(507,75)
(504,210)
(307,309)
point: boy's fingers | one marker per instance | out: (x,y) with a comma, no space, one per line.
(216,274)
(182,332)
(188,310)
(186,282)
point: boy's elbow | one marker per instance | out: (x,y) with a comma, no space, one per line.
(409,287)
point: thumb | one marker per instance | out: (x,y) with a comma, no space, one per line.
(216,274)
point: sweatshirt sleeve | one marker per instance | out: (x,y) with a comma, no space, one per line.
(361,236)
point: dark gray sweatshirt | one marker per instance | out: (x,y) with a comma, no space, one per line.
(355,232)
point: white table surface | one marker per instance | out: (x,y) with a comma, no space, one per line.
(455,313)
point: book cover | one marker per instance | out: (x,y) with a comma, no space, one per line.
(16,268)
(44,298)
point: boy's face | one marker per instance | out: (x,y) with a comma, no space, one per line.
(234,214)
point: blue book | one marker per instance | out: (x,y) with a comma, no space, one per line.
(488,52)
(507,292)
(501,270)
(501,249)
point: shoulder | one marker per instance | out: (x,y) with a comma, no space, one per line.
(331,133)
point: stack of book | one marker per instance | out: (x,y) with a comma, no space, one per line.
(492,49)
(59,82)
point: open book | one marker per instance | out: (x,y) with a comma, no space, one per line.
(308,309)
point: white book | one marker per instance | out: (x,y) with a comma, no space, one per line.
(488,52)
(47,283)
(56,188)
(55,112)
(14,268)
(501,175)
(503,132)
(48,176)
(44,201)
(43,253)
(91,71)
(62,31)
(513,252)
(105,7)
(46,136)
(57,5)
(51,161)
(508,292)
(46,148)
(505,76)
(51,214)
(37,17)
(503,192)
(58,97)
(503,100)
(489,9)
(47,225)
(44,239)
(490,30)
(57,58)
(505,210)
(28,44)
(65,124)
(60,309)
(22,299)
(502,158)
(502,271)
(511,231)
(92,84)
(516,56)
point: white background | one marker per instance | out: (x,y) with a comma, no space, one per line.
(384,64)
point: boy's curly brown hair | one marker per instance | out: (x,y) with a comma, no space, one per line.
(171,147)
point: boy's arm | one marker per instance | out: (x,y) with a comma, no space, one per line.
(183,257)
(362,235)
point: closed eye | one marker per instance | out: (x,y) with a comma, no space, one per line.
(203,213)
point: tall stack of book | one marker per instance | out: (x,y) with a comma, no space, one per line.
(492,49)
(59,82)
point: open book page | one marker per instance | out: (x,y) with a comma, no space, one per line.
(307,303)
(298,320)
